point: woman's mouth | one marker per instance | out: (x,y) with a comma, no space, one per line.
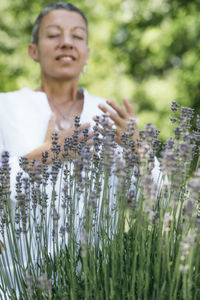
(66,58)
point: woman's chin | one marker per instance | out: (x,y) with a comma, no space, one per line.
(66,76)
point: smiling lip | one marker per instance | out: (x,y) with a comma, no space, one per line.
(65,58)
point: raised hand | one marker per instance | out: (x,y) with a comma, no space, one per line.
(120,116)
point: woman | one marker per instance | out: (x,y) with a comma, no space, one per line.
(28,118)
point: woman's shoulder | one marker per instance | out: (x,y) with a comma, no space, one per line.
(90,107)
(12,94)
(93,98)
(23,97)
(92,101)
(14,97)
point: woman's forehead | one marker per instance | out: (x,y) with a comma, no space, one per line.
(62,18)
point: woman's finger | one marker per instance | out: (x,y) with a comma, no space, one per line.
(129,107)
(120,111)
(90,142)
(113,115)
(84,126)
(81,137)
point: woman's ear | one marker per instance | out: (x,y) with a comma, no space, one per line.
(33,52)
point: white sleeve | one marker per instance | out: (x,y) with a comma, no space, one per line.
(14,166)
(1,142)
(156,172)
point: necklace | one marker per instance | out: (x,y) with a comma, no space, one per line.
(65,123)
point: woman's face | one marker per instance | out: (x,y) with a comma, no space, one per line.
(62,49)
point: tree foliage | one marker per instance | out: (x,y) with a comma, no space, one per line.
(159,43)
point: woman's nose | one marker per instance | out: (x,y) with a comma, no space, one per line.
(66,40)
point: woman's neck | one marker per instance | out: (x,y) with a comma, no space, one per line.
(60,92)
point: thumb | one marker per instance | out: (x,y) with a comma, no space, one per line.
(50,128)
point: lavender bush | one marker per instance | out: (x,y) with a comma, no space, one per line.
(100,225)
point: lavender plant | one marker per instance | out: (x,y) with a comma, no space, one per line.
(101,224)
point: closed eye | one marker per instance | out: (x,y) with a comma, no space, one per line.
(78,37)
(51,36)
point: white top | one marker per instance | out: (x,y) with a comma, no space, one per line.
(24,117)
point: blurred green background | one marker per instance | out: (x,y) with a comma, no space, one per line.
(145,50)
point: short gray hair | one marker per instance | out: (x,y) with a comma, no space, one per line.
(49,8)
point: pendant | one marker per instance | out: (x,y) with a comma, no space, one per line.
(65,124)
